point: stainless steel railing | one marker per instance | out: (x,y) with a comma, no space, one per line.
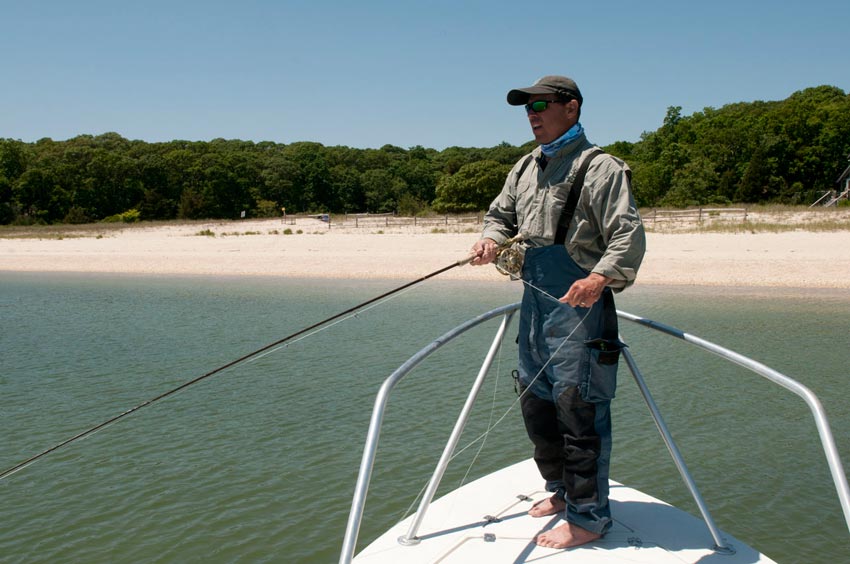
(836,469)
(507,313)
(367,462)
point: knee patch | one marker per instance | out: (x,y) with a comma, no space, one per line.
(582,445)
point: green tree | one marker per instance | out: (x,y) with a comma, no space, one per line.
(183,179)
(277,179)
(112,183)
(694,184)
(472,188)
(787,151)
(160,198)
(13,159)
(348,191)
(13,163)
(39,196)
(312,190)
(381,190)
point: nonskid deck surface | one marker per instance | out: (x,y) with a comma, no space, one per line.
(487,521)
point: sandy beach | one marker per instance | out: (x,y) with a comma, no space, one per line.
(794,259)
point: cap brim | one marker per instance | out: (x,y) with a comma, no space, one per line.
(520,96)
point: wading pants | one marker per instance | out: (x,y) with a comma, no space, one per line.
(567,390)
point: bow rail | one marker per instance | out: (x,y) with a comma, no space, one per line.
(506,313)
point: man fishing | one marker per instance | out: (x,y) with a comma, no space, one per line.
(582,238)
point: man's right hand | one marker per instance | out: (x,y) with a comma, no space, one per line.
(484,251)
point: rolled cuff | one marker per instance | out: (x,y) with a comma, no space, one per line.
(498,236)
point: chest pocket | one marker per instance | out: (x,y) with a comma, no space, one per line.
(540,207)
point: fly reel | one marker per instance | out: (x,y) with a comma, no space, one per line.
(509,262)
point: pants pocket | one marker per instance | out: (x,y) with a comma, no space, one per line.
(602,360)
(608,350)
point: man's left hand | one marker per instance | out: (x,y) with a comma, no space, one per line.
(586,291)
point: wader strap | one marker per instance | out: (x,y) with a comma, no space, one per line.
(524,166)
(572,199)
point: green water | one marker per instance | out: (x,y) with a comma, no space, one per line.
(258,463)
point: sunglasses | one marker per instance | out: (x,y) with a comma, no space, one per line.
(541,105)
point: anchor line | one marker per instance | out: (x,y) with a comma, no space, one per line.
(231,364)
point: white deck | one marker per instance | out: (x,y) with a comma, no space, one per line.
(455,530)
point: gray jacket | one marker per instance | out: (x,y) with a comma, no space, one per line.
(606,234)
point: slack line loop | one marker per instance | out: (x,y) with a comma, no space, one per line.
(92,430)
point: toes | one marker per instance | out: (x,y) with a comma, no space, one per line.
(546,542)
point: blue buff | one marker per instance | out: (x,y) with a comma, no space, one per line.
(551,149)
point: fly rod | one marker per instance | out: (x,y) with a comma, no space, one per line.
(87,432)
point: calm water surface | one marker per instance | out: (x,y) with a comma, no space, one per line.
(258,463)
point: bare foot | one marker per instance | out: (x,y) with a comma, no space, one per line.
(548,506)
(565,536)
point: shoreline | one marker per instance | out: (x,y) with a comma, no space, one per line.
(792,259)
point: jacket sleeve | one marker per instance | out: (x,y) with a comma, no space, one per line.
(500,222)
(623,236)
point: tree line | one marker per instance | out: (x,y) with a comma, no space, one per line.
(789,151)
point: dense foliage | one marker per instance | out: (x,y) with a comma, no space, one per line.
(789,151)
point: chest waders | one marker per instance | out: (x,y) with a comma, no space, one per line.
(568,384)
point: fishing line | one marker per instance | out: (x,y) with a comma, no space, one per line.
(510,408)
(329,325)
(519,397)
(413,503)
(490,421)
(489,427)
(482,437)
(251,355)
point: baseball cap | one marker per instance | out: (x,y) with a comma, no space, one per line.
(551,84)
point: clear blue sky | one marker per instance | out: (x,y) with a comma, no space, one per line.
(369,73)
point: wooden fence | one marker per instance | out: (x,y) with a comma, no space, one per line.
(650,217)
(383,220)
(694,215)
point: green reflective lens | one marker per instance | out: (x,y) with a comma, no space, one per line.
(539,105)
